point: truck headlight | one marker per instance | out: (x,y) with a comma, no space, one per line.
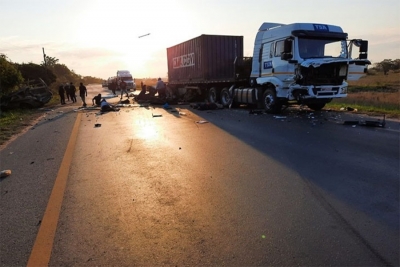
(344,90)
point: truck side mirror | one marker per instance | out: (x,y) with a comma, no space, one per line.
(363,50)
(364,46)
(287,50)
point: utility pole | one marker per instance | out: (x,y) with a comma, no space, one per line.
(44,58)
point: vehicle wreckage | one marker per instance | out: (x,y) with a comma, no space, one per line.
(34,94)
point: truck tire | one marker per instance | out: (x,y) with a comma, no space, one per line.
(225,97)
(212,95)
(316,106)
(270,102)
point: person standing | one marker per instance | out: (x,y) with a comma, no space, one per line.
(82,93)
(72,92)
(160,87)
(122,85)
(67,91)
(114,86)
(61,92)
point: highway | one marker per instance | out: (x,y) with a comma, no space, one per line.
(184,187)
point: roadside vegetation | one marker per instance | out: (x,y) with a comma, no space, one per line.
(14,76)
(377,93)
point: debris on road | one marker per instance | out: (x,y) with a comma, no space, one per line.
(5,173)
(377,123)
(256,112)
(201,122)
(206,106)
(156,115)
(97,125)
(349,109)
(280,117)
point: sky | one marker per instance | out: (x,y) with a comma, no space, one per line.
(98,37)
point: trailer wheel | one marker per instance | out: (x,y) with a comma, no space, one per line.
(270,101)
(225,97)
(316,106)
(212,95)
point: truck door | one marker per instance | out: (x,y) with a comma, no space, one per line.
(357,66)
(266,59)
(280,67)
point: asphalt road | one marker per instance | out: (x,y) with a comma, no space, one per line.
(153,187)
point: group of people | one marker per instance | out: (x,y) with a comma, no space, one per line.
(119,84)
(69,91)
(160,88)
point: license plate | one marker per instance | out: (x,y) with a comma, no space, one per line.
(326,89)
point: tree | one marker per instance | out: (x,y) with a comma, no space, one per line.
(50,61)
(10,76)
(388,64)
(33,71)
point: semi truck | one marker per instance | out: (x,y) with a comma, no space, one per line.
(126,76)
(298,63)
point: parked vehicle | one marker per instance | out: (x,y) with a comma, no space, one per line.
(34,94)
(126,76)
(299,63)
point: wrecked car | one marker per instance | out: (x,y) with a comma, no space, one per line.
(34,94)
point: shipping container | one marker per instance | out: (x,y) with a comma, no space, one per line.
(204,59)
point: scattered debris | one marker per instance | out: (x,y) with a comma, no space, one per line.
(280,117)
(207,106)
(256,112)
(5,173)
(156,115)
(201,122)
(377,123)
(182,113)
(349,109)
(97,125)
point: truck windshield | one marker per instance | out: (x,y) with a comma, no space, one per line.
(319,48)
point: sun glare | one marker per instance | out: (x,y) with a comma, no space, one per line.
(146,130)
(117,30)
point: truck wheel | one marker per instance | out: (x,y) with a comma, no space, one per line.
(316,106)
(212,95)
(225,97)
(270,102)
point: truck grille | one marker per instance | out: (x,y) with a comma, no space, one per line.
(326,74)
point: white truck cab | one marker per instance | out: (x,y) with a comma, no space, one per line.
(307,63)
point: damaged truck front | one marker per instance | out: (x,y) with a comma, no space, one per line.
(299,63)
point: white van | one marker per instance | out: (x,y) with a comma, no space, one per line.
(126,76)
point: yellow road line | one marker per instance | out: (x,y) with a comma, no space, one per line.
(41,251)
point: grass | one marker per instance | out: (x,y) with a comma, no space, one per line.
(13,122)
(375,94)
